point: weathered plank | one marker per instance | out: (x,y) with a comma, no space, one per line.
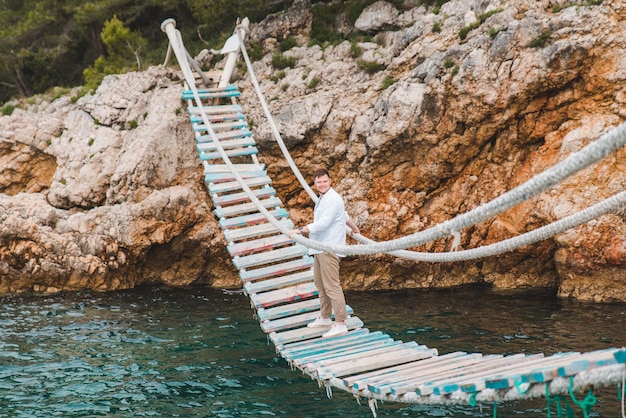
(278,282)
(254,231)
(234,185)
(251,219)
(291,309)
(295,321)
(275,270)
(284,295)
(305,333)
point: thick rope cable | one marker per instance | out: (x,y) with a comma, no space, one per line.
(550,177)
(540,183)
(540,234)
(169,27)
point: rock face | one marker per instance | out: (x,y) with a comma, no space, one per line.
(460,107)
(111,195)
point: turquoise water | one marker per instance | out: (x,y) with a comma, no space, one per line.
(198,352)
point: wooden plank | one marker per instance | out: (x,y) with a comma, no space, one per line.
(287,294)
(234,210)
(251,219)
(216,109)
(305,333)
(323,343)
(552,371)
(588,361)
(406,374)
(272,256)
(221,136)
(337,358)
(276,270)
(230,87)
(240,197)
(237,152)
(427,388)
(374,362)
(477,382)
(295,321)
(453,384)
(188,94)
(222,177)
(279,282)
(221,121)
(515,375)
(433,373)
(620,355)
(223,168)
(287,310)
(228,144)
(392,374)
(248,232)
(222,127)
(326,345)
(329,363)
(234,185)
(258,245)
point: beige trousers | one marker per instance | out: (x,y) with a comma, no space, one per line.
(326,279)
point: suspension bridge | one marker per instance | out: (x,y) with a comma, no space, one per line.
(276,271)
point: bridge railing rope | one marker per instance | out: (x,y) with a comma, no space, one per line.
(594,152)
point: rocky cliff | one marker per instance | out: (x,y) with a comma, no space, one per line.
(435,115)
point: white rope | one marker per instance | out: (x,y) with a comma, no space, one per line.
(540,234)
(168,26)
(574,163)
(623,390)
(587,156)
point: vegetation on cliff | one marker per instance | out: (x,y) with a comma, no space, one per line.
(48,43)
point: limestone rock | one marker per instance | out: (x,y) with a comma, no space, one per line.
(106,192)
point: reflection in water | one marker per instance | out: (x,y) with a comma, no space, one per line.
(198,352)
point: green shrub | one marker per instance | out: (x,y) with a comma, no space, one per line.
(133,124)
(494,31)
(484,16)
(541,40)
(448,64)
(481,19)
(436,27)
(280,61)
(254,50)
(370,67)
(7,110)
(278,76)
(387,82)
(466,29)
(287,43)
(355,50)
(91,141)
(313,83)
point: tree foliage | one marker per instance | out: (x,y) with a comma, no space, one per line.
(47,43)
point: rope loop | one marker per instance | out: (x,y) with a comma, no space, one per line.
(587,403)
(472,399)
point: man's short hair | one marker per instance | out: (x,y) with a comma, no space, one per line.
(321,172)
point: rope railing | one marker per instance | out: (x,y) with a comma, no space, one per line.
(589,155)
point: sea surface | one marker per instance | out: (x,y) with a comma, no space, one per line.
(198,352)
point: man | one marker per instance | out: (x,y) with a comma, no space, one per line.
(328,227)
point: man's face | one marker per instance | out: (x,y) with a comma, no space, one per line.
(322,183)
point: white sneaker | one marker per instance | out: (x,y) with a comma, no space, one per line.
(320,323)
(336,330)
